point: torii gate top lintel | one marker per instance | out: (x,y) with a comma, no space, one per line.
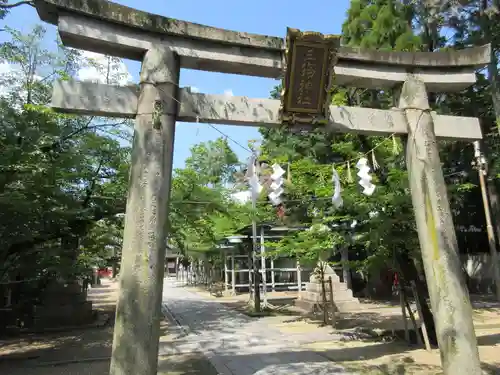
(113,29)
(107,11)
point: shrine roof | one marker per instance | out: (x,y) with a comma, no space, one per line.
(50,10)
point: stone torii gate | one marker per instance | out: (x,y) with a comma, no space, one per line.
(165,45)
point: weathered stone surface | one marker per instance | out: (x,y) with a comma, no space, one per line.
(107,100)
(50,10)
(468,57)
(448,293)
(62,305)
(386,77)
(137,323)
(311,299)
(102,37)
(89,98)
(98,36)
(61,315)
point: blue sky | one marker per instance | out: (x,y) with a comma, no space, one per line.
(257,16)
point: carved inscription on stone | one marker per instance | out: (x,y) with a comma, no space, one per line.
(307,87)
(310,59)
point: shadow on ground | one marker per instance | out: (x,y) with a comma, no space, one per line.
(90,350)
(67,344)
(86,351)
(179,364)
(244,308)
(206,317)
(406,366)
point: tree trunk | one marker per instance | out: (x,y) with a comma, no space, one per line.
(321,269)
(410,273)
(346,269)
(70,245)
(492,189)
(494,199)
(487,29)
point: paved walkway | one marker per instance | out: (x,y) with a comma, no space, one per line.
(235,343)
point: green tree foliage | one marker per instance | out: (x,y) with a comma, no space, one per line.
(202,209)
(214,160)
(476,24)
(58,174)
(384,25)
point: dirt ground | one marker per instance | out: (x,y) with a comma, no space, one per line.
(378,356)
(86,351)
(397,358)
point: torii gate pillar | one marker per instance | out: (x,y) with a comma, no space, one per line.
(438,243)
(141,278)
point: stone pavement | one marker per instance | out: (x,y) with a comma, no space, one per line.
(234,343)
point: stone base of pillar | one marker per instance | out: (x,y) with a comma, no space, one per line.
(62,306)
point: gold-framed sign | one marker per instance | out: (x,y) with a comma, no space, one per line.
(310,59)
